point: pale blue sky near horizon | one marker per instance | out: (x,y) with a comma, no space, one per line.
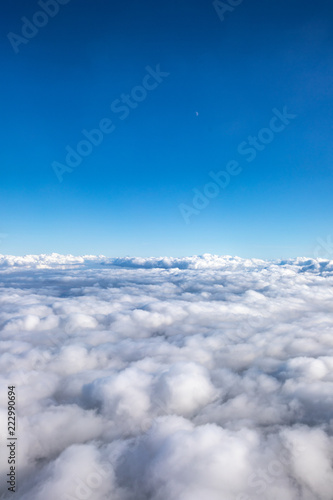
(220,82)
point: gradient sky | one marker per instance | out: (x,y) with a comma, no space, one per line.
(225,77)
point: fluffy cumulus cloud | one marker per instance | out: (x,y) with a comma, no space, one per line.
(195,378)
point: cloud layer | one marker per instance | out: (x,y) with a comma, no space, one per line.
(164,378)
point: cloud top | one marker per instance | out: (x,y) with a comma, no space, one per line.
(162,378)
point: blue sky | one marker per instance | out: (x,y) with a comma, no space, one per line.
(224,79)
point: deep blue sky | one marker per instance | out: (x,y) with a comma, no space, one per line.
(225,79)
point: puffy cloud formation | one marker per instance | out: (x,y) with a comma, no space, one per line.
(168,379)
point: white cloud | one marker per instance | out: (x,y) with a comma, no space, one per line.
(165,378)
